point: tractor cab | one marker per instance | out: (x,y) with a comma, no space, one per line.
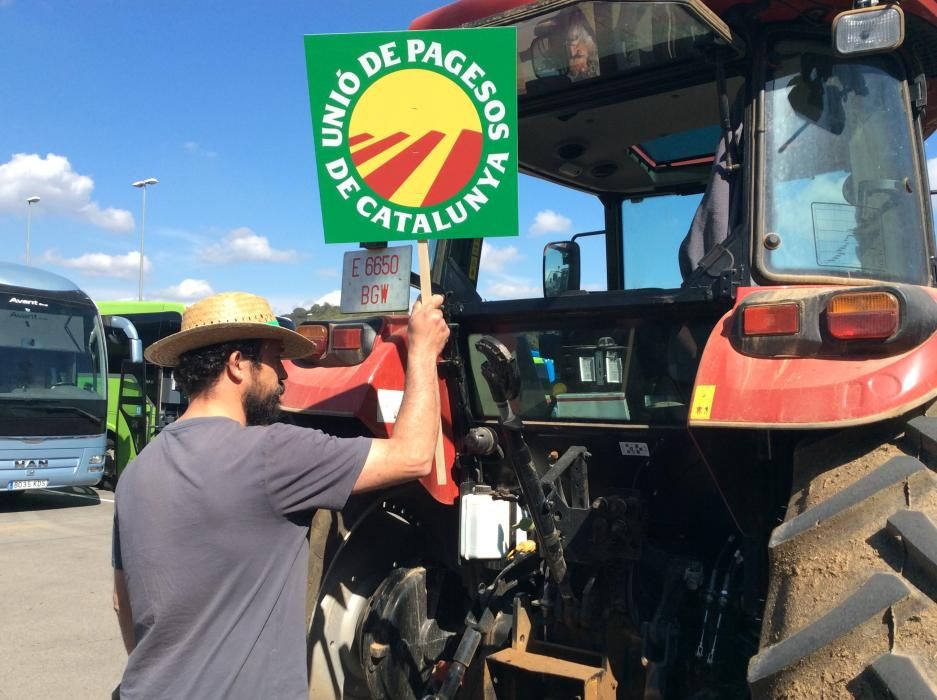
(723,159)
(743,335)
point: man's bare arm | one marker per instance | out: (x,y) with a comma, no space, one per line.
(122,608)
(409,453)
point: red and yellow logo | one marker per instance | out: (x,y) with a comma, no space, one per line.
(415,138)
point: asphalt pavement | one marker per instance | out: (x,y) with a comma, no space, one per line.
(58,632)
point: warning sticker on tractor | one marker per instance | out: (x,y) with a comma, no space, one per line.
(634,449)
(702,402)
(388,405)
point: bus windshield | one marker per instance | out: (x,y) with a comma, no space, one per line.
(52,364)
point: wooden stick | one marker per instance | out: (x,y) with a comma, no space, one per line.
(426,291)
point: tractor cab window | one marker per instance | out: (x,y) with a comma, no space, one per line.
(637,371)
(652,229)
(843,194)
(599,123)
(592,40)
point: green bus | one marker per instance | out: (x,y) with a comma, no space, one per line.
(142,398)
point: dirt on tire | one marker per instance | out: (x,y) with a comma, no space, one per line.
(838,598)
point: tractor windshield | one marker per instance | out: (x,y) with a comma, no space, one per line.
(842,187)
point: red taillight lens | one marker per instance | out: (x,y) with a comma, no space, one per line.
(863,316)
(346,338)
(771,319)
(319,335)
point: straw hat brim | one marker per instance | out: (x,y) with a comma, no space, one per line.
(166,352)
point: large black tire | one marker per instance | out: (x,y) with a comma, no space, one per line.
(344,571)
(850,610)
(351,554)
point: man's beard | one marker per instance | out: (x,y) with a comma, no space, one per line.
(262,408)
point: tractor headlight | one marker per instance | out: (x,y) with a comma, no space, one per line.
(868,30)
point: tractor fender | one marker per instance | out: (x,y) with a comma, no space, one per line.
(735,389)
(371,392)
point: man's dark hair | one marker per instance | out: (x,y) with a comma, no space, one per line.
(200,369)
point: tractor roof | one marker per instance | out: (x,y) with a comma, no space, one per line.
(921,40)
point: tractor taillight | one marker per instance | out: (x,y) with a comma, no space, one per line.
(346,338)
(771,319)
(863,316)
(318,335)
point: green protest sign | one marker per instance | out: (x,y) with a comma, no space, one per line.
(415,133)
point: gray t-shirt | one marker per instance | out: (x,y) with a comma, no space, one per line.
(210,530)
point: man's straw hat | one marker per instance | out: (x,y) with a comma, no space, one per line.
(222,318)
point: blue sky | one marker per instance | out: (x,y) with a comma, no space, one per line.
(211,99)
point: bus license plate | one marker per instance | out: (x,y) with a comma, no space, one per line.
(27,484)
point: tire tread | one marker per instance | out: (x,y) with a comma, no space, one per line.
(902,678)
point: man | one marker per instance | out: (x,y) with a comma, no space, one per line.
(210,548)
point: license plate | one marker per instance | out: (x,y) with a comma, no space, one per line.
(27,484)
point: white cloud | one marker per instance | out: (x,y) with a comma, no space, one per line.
(62,191)
(243,245)
(187,290)
(327,272)
(333,298)
(101,264)
(548,221)
(195,148)
(494,259)
(497,282)
(512,289)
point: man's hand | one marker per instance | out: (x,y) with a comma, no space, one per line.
(428,331)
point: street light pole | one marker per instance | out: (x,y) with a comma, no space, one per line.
(29,220)
(143,184)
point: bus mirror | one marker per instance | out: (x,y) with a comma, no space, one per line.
(560,268)
(122,330)
(136,351)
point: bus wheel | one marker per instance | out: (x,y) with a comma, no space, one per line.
(851,609)
(109,479)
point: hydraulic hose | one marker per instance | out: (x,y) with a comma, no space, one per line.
(500,372)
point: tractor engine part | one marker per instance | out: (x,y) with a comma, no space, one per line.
(488,526)
(481,441)
(500,371)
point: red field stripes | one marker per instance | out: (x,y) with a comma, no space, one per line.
(368,152)
(355,140)
(459,166)
(389,177)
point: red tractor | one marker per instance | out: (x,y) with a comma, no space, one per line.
(718,490)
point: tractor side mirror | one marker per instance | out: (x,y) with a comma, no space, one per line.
(561,268)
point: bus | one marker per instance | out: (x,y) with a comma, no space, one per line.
(53,382)
(135,415)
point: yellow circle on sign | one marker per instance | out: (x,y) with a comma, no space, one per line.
(415,137)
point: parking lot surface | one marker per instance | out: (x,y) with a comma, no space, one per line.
(59,633)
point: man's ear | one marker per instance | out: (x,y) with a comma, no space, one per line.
(236,366)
